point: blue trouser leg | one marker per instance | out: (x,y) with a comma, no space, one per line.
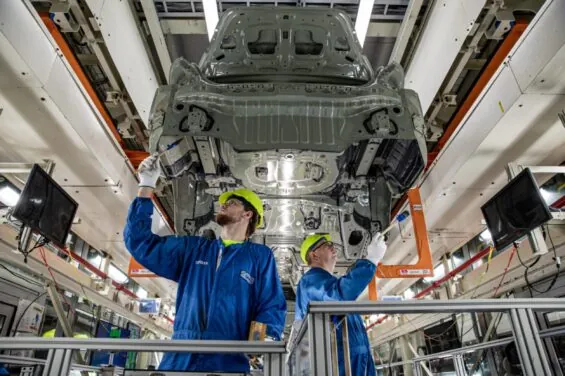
(361,365)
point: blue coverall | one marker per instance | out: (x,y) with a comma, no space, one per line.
(214,302)
(319,285)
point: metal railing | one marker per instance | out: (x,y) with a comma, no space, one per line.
(25,361)
(315,344)
(59,357)
(321,344)
(547,333)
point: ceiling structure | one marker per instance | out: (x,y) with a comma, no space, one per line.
(185,31)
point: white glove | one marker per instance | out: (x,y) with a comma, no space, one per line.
(149,171)
(376,249)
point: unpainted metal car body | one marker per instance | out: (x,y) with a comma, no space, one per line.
(284,103)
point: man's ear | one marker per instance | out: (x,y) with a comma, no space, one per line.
(248,214)
(313,256)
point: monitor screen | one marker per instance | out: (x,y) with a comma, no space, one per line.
(45,207)
(150,306)
(514,211)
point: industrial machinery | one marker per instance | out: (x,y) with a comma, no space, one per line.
(283,102)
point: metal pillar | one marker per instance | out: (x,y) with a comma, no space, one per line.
(406,354)
(63,321)
(273,364)
(333,344)
(549,346)
(320,341)
(459,364)
(530,348)
(346,352)
(58,362)
(420,365)
(59,310)
(416,369)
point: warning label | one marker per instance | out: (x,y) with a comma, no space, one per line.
(415,271)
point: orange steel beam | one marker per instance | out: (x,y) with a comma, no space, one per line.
(373,293)
(73,61)
(424,266)
(497,60)
(501,53)
(134,156)
(506,46)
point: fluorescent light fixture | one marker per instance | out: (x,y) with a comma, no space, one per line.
(439,272)
(9,196)
(96,261)
(117,275)
(363,18)
(141,293)
(409,294)
(486,236)
(84,312)
(211,16)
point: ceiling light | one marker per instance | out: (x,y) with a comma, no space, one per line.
(117,275)
(9,196)
(363,18)
(96,261)
(409,294)
(141,293)
(439,272)
(211,16)
(486,236)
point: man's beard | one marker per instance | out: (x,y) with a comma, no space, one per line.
(224,219)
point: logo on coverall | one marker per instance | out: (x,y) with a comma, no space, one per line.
(247,277)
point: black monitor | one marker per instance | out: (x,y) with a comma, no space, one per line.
(516,210)
(45,207)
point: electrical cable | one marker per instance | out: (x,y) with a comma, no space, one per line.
(476,288)
(90,304)
(11,219)
(17,325)
(505,272)
(42,253)
(557,260)
(18,275)
(40,242)
(479,361)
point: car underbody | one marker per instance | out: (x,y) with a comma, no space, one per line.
(284,103)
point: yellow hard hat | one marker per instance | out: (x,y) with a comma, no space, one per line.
(51,334)
(246,195)
(310,242)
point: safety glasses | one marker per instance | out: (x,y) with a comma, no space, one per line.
(321,243)
(232,202)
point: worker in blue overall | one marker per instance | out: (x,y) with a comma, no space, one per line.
(320,284)
(223,284)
